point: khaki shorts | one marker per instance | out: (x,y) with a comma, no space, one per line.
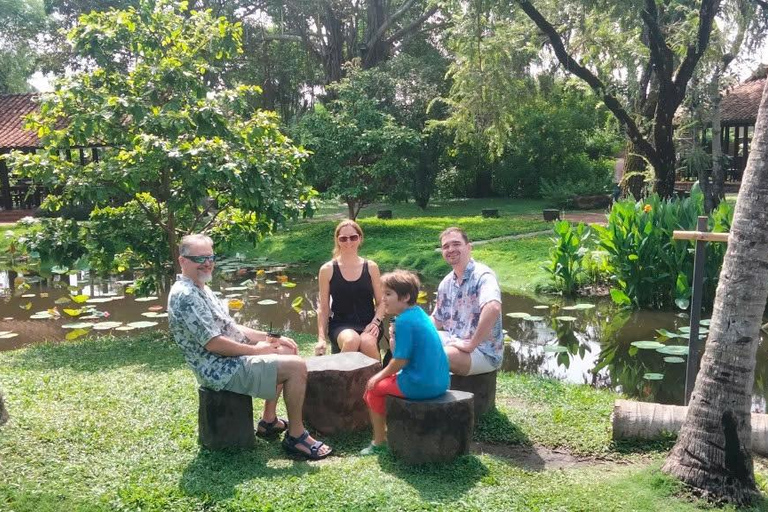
(480,363)
(257,377)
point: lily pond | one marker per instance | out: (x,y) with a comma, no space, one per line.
(641,353)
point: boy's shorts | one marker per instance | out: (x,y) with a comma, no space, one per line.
(257,377)
(376,398)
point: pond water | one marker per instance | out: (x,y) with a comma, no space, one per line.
(588,343)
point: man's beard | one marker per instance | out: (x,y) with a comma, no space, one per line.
(205,277)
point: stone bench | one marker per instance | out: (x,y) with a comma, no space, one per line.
(225,420)
(426,431)
(335,386)
(482,385)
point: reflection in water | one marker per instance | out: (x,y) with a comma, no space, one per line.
(592,347)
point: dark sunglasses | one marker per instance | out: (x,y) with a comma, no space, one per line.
(201,259)
(351,238)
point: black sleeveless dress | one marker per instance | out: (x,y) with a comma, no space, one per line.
(351,304)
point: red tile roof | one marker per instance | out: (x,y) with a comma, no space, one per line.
(13,108)
(741,104)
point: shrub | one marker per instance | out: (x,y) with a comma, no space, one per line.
(648,268)
(566,257)
(58,241)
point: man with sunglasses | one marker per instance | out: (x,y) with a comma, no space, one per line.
(227,356)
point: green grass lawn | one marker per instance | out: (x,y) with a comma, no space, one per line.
(410,240)
(111,424)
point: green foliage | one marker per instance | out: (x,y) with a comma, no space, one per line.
(359,151)
(566,257)
(184,149)
(56,241)
(584,178)
(648,268)
(21,21)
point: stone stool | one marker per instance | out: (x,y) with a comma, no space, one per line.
(482,385)
(335,386)
(225,420)
(436,430)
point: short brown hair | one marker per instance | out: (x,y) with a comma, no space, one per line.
(403,283)
(454,229)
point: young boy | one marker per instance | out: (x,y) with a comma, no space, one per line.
(418,368)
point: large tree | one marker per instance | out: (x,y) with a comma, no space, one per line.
(179,151)
(21,21)
(713,451)
(359,151)
(638,57)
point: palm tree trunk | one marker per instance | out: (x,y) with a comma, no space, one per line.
(713,453)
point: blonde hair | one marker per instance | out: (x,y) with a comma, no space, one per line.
(354,225)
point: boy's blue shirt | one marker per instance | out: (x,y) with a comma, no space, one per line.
(426,375)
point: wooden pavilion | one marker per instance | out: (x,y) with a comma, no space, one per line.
(738,111)
(22,196)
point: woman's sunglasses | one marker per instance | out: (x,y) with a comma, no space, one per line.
(350,238)
(201,259)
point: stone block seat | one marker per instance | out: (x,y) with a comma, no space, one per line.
(225,420)
(482,385)
(335,386)
(427,431)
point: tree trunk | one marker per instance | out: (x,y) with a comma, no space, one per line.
(633,181)
(378,50)
(718,173)
(3,411)
(644,420)
(663,134)
(333,52)
(713,453)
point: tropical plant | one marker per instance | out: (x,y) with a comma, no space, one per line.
(648,268)
(177,147)
(566,257)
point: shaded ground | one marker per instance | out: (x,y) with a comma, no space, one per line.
(538,458)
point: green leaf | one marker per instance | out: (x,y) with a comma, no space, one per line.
(297,302)
(619,297)
(674,350)
(647,345)
(653,376)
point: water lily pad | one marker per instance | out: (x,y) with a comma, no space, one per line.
(103,326)
(288,284)
(76,333)
(674,359)
(41,316)
(80,298)
(7,335)
(566,318)
(156,307)
(145,299)
(59,270)
(266,302)
(62,300)
(653,376)
(540,306)
(142,325)
(270,281)
(298,301)
(78,325)
(150,314)
(235,288)
(674,350)
(73,312)
(236,304)
(125,328)
(555,349)
(99,300)
(28,295)
(703,330)
(534,318)
(647,345)
(705,322)
(518,314)
(685,329)
(665,333)
(584,305)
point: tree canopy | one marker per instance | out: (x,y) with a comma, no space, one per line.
(179,151)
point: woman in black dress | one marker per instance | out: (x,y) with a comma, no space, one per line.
(350,309)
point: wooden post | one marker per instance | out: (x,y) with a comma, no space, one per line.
(701,236)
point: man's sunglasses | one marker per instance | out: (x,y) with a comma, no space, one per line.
(350,238)
(201,259)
